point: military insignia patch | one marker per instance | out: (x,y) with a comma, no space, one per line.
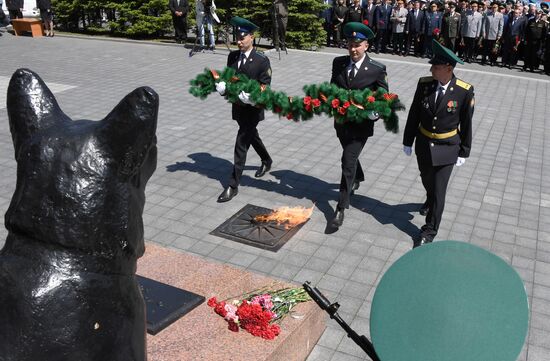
(463,84)
(269,71)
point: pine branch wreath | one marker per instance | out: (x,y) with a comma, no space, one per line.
(346,106)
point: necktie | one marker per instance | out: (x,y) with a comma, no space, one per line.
(439,97)
(352,72)
(242,60)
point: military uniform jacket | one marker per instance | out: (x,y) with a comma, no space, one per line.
(450,27)
(535,30)
(455,111)
(492,25)
(471,24)
(14,4)
(256,67)
(431,22)
(372,74)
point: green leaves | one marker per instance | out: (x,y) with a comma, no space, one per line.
(351,106)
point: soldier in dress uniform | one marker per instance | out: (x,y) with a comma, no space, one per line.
(354,71)
(535,31)
(440,121)
(450,27)
(255,65)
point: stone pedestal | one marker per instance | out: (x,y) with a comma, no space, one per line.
(202,334)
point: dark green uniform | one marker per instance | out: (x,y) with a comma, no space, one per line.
(442,135)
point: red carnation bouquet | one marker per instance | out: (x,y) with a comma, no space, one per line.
(436,32)
(259,311)
(366,22)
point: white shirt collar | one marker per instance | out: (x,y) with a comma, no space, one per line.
(358,63)
(247,53)
(445,86)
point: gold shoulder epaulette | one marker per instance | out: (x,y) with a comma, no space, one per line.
(426,79)
(463,84)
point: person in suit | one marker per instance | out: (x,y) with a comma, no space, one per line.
(382,15)
(339,13)
(513,35)
(432,24)
(254,65)
(179,10)
(281,16)
(15,8)
(450,26)
(369,12)
(491,32)
(326,14)
(399,21)
(470,30)
(440,125)
(46,15)
(414,29)
(354,71)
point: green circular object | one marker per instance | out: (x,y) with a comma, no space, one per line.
(449,301)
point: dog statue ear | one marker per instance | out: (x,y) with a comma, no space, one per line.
(132,125)
(31,106)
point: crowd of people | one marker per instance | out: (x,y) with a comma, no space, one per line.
(489,32)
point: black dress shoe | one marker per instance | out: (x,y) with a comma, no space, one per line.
(228,194)
(426,239)
(424,209)
(264,168)
(338,219)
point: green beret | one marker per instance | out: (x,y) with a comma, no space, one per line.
(357,31)
(243,26)
(442,55)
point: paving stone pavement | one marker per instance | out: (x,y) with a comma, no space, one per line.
(498,200)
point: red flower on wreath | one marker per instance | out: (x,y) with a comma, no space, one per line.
(277,110)
(390,96)
(307,100)
(289,116)
(233,326)
(342,110)
(212,302)
(335,103)
(316,102)
(308,107)
(371,99)
(346,105)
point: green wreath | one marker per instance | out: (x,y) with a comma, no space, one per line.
(346,106)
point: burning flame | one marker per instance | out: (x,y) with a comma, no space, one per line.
(287,216)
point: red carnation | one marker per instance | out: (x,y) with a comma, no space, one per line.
(346,105)
(289,116)
(335,103)
(308,107)
(390,96)
(316,102)
(233,326)
(307,100)
(220,309)
(342,110)
(436,31)
(277,110)
(371,99)
(366,22)
(212,302)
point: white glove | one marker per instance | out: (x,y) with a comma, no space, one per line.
(220,87)
(460,161)
(407,150)
(245,98)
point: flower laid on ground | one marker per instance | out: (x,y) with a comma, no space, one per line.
(259,311)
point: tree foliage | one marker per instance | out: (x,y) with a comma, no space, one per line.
(152,18)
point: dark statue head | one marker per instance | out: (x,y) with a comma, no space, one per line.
(80,184)
(67,271)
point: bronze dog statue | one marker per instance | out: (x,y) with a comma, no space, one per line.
(67,270)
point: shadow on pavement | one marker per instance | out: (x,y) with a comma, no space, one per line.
(303,186)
